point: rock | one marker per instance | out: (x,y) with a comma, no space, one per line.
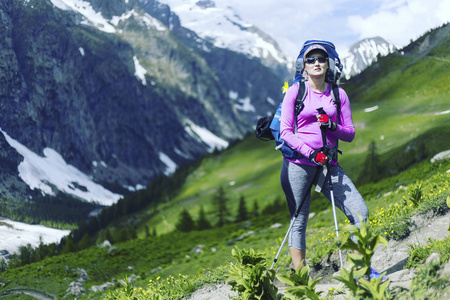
(198,249)
(246,224)
(105,244)
(76,288)
(276,226)
(155,270)
(440,156)
(402,275)
(101,288)
(445,270)
(434,258)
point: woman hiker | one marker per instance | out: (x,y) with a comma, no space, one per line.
(298,175)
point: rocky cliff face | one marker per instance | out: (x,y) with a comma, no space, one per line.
(119,89)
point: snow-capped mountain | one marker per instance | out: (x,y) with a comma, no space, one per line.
(363,53)
(224,28)
(99,97)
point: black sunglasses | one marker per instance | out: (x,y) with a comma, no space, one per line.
(312,60)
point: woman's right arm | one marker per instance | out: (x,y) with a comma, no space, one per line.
(288,121)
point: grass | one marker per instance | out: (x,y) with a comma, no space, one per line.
(172,252)
(321,238)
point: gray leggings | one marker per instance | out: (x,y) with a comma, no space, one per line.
(296,181)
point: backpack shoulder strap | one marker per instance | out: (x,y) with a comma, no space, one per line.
(336,100)
(299,104)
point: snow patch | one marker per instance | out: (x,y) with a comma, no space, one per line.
(84,8)
(16,234)
(271,101)
(182,154)
(204,135)
(135,188)
(224,28)
(233,95)
(369,109)
(171,165)
(140,71)
(51,170)
(441,156)
(443,112)
(145,19)
(244,105)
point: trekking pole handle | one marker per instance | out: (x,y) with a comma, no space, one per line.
(323,129)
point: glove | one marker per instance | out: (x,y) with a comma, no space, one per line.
(318,157)
(325,121)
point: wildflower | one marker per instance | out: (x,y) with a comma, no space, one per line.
(285,87)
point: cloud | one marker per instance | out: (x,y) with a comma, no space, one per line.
(401,21)
(342,22)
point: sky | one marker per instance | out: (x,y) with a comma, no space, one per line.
(343,22)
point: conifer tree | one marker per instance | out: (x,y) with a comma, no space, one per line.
(242,213)
(121,235)
(69,246)
(371,171)
(85,242)
(255,208)
(185,222)
(3,265)
(202,222)
(220,201)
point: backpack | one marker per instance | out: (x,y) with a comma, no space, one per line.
(268,128)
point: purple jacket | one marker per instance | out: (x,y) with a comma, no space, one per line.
(309,136)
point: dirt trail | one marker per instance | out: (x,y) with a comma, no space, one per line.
(34,294)
(390,260)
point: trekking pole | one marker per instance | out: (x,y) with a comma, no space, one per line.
(289,230)
(327,165)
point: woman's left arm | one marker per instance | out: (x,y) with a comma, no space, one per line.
(345,130)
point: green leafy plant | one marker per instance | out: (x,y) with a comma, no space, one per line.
(301,285)
(428,283)
(416,194)
(359,261)
(419,253)
(250,276)
(448,204)
(130,292)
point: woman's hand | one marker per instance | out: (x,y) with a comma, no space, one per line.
(318,157)
(325,121)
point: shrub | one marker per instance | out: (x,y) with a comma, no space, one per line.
(250,276)
(359,262)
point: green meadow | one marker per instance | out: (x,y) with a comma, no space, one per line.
(401,105)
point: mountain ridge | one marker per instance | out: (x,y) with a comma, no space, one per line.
(120,76)
(363,53)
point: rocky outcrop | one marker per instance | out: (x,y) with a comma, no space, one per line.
(122,93)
